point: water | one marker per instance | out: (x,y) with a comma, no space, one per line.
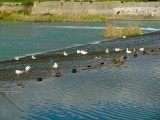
(129,92)
(22,39)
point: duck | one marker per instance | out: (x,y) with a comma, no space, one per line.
(33,57)
(19,72)
(124,36)
(65,53)
(118,49)
(83,52)
(122,59)
(145,52)
(55,66)
(107,51)
(141,49)
(128,51)
(102,63)
(78,51)
(27,68)
(117,61)
(16,58)
(98,57)
(135,53)
(58,74)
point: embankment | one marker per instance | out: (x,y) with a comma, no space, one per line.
(111,10)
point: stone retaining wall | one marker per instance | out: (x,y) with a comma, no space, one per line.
(111,10)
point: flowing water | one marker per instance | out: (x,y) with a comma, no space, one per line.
(130,91)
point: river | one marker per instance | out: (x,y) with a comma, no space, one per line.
(126,92)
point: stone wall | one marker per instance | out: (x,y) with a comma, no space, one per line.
(9,6)
(111,10)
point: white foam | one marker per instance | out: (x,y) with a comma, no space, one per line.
(98,27)
(37,53)
(76,27)
(148,28)
(20,56)
(80,27)
(95,42)
(78,44)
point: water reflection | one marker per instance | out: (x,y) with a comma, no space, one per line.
(97,95)
(103,93)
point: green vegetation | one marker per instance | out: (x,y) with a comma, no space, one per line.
(25,16)
(23,2)
(113,32)
(28,3)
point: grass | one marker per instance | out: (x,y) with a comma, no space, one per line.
(25,16)
(113,32)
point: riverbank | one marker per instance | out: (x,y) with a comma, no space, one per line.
(107,10)
(26,16)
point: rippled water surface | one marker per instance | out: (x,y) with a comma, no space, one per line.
(130,91)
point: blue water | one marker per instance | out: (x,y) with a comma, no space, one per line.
(127,92)
(21,39)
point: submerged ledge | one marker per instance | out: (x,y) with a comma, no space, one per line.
(46,72)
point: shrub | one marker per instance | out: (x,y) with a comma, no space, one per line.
(113,32)
(27,3)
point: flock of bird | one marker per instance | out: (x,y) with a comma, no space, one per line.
(27,68)
(83,52)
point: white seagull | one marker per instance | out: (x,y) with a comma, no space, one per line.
(107,51)
(55,65)
(124,36)
(27,68)
(118,49)
(33,57)
(141,49)
(78,51)
(128,51)
(19,72)
(16,58)
(83,52)
(65,54)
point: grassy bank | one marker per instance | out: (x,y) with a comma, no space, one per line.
(25,1)
(25,16)
(113,32)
